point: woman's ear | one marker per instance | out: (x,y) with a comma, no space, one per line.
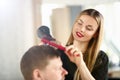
(95,35)
(37,75)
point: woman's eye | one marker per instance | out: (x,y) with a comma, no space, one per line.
(79,23)
(89,29)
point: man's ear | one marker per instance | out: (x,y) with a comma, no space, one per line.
(37,75)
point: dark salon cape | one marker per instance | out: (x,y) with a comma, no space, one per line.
(99,71)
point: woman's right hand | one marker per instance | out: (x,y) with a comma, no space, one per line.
(74,54)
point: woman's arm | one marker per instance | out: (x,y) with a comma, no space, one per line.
(84,72)
(76,57)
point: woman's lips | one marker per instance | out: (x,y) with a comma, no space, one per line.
(79,34)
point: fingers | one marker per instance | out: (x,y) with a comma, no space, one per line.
(72,51)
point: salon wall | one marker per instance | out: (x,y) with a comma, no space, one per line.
(62,21)
(18,22)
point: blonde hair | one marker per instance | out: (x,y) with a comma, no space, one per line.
(94,44)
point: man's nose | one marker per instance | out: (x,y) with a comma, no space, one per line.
(65,72)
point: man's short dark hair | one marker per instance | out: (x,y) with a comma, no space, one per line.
(36,57)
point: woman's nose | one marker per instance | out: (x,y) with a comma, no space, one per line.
(82,29)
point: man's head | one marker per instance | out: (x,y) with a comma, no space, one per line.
(42,63)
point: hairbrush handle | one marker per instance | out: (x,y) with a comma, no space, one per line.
(53,44)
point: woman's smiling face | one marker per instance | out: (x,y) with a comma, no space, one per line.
(84,28)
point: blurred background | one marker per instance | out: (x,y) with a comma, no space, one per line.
(19,20)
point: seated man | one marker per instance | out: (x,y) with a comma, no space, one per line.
(42,63)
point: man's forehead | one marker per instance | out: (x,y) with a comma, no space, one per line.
(55,61)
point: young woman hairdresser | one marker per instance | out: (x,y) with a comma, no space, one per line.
(83,58)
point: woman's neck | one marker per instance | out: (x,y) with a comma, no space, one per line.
(82,46)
